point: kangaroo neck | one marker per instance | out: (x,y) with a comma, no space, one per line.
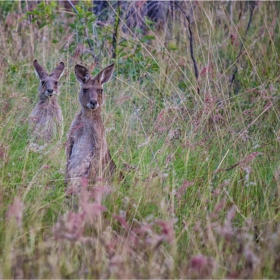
(93,120)
(48,101)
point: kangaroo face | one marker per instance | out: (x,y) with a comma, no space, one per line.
(90,95)
(48,83)
(91,92)
(49,86)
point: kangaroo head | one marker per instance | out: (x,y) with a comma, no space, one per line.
(91,92)
(49,83)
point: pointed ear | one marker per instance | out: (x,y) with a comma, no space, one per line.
(58,71)
(42,74)
(82,74)
(105,75)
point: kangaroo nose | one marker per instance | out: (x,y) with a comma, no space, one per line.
(93,104)
(50,90)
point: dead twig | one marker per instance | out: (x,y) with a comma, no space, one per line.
(116,28)
(190,36)
(232,78)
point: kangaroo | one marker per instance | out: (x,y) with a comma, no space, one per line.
(46,117)
(87,151)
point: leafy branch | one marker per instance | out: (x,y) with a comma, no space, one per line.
(86,32)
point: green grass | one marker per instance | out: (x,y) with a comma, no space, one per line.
(225,223)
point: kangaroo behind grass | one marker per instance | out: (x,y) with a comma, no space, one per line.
(45,120)
(87,151)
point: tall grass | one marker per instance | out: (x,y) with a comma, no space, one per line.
(200,197)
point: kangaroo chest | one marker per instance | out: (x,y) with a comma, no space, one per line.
(44,120)
(43,113)
(89,143)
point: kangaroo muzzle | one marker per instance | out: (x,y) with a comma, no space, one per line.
(49,92)
(93,104)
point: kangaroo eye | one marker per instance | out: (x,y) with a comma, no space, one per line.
(85,90)
(56,83)
(43,83)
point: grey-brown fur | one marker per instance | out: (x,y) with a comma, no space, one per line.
(45,120)
(87,150)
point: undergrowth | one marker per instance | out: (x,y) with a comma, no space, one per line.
(200,158)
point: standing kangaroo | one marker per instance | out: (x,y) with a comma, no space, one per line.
(46,117)
(87,150)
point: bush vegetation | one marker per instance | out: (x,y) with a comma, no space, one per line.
(199,152)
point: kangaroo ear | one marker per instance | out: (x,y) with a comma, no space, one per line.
(41,73)
(58,71)
(105,75)
(82,74)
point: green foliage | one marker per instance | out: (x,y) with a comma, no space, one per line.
(6,8)
(129,57)
(44,13)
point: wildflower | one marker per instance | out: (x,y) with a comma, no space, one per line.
(70,227)
(167,230)
(181,191)
(122,221)
(202,265)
